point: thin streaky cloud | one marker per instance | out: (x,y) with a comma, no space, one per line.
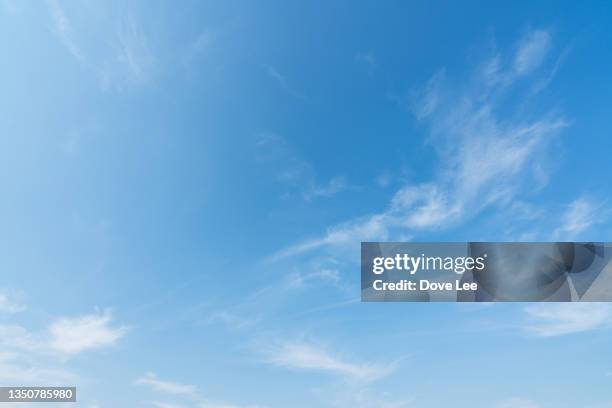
(532,51)
(281,79)
(484,158)
(558,319)
(293,171)
(181,390)
(62,27)
(580,215)
(166,387)
(302,356)
(9,305)
(134,50)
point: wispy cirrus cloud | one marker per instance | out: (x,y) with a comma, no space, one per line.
(277,76)
(368,59)
(293,171)
(115,57)
(166,387)
(358,380)
(62,27)
(10,305)
(532,50)
(302,356)
(580,215)
(24,369)
(134,50)
(188,393)
(484,154)
(65,335)
(557,319)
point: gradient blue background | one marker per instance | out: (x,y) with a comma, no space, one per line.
(171,174)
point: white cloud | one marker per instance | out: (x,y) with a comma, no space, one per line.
(116,57)
(307,357)
(180,390)
(532,51)
(281,80)
(62,27)
(74,335)
(334,186)
(23,368)
(485,158)
(431,96)
(580,215)
(64,335)
(331,276)
(384,179)
(18,337)
(166,387)
(8,305)
(31,358)
(556,319)
(277,76)
(232,320)
(133,51)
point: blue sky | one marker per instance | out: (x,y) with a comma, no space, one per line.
(185,187)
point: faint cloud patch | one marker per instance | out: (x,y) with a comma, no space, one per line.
(384,179)
(133,50)
(30,358)
(277,76)
(62,27)
(167,387)
(293,171)
(335,185)
(531,51)
(12,7)
(199,46)
(187,392)
(580,215)
(116,57)
(557,319)
(301,356)
(298,280)
(368,59)
(8,304)
(23,369)
(232,320)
